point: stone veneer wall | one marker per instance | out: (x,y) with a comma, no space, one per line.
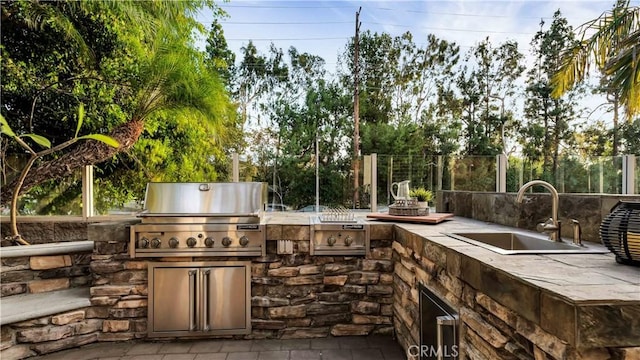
(41,274)
(488,330)
(293,296)
(299,296)
(47,334)
(45,232)
(36,274)
(502,208)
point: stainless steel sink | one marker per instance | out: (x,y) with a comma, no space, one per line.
(512,243)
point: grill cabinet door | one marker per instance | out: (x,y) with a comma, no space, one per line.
(174,302)
(224,298)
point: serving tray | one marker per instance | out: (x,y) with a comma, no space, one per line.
(432,218)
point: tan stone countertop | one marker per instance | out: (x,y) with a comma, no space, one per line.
(592,278)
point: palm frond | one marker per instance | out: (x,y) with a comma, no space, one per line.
(611,44)
(39,15)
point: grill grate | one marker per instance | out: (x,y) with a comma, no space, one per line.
(337,215)
(620,232)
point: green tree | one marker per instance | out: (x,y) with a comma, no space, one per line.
(134,65)
(486,83)
(219,57)
(610,42)
(548,119)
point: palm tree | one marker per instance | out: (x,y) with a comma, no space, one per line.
(612,43)
(171,77)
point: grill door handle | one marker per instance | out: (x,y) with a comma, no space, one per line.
(204,187)
(192,299)
(441,321)
(205,299)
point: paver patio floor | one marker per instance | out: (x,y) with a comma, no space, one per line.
(333,348)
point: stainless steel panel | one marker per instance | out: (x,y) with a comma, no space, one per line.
(224,307)
(199,298)
(446,335)
(439,330)
(152,240)
(245,198)
(350,239)
(218,219)
(173,298)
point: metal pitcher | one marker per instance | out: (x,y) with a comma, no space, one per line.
(403,190)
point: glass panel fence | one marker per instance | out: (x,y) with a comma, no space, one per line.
(472,173)
(55,197)
(637,186)
(292,181)
(570,175)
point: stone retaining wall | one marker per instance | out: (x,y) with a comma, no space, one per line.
(36,274)
(45,232)
(50,333)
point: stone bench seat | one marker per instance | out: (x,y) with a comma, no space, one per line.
(23,307)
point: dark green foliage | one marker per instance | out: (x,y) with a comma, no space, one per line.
(127,61)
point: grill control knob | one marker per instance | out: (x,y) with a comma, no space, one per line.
(191,242)
(348,240)
(155,243)
(331,240)
(173,243)
(143,243)
(226,241)
(244,241)
(208,242)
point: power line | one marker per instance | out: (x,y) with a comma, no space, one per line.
(281,22)
(461,14)
(452,29)
(284,7)
(290,39)
(382,8)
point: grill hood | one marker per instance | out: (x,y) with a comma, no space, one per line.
(237,199)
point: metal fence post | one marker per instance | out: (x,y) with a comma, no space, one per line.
(374,182)
(87,191)
(235,168)
(628,174)
(440,172)
(501,173)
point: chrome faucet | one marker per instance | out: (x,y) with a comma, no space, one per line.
(551,226)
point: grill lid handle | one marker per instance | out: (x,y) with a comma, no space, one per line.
(204,187)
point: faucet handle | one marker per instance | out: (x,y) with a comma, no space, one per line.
(552,228)
(546,226)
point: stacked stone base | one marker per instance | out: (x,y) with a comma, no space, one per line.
(50,333)
(322,296)
(488,330)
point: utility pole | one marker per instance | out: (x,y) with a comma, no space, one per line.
(356,116)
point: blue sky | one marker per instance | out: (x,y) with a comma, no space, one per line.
(324,27)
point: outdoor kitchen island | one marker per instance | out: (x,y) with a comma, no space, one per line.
(578,306)
(509,307)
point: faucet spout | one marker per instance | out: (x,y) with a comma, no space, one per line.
(554,227)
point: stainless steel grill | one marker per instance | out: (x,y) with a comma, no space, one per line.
(201,219)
